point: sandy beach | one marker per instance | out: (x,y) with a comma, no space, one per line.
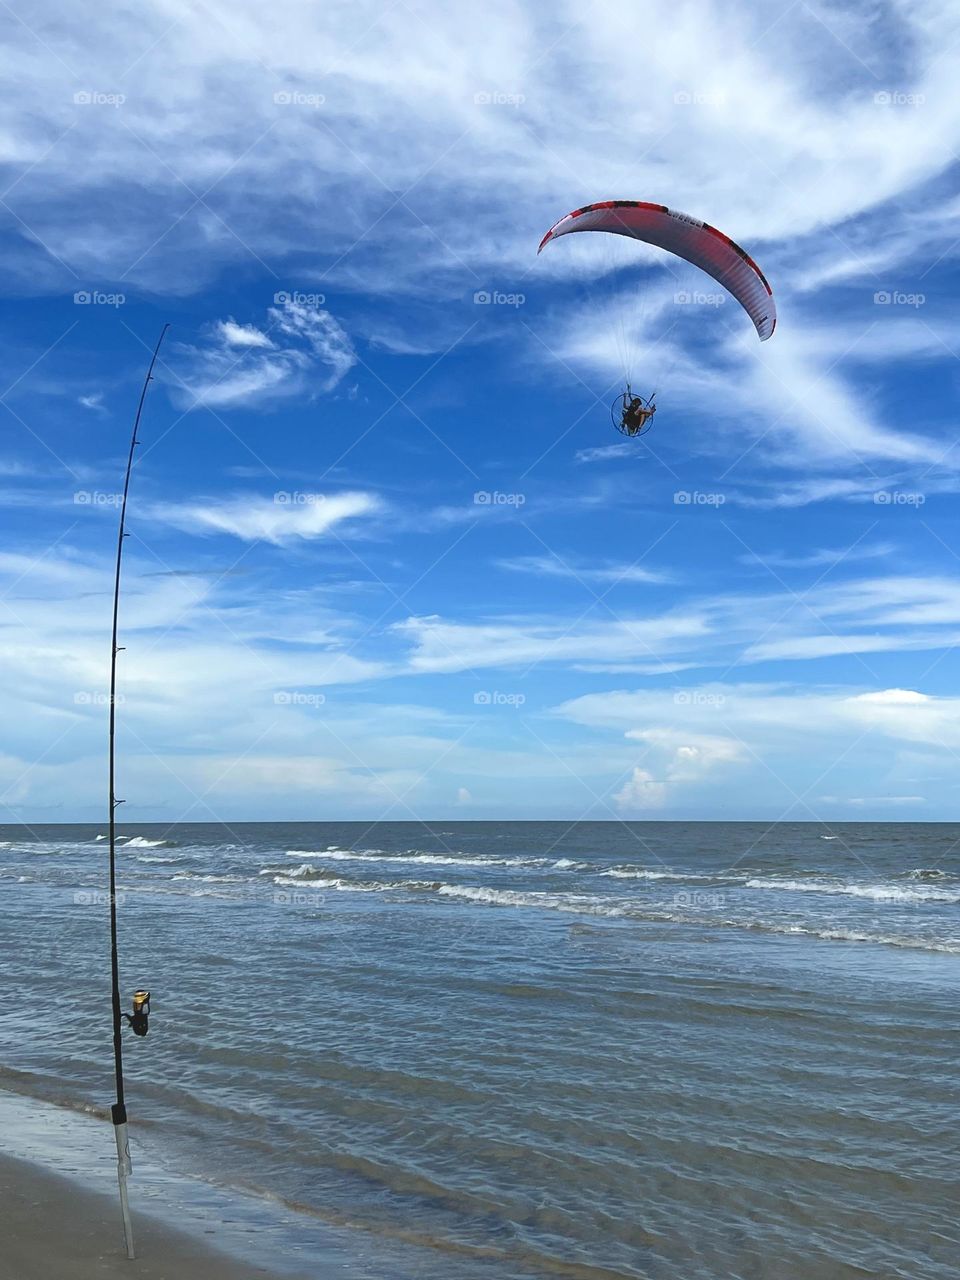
(54,1229)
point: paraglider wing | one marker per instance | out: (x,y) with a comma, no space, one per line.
(697,242)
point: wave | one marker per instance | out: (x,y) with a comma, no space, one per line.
(508,898)
(208,879)
(827,934)
(640,873)
(415,857)
(306,871)
(358,886)
(578,903)
(875,892)
(422,859)
(141,842)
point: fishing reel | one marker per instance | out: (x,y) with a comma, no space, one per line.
(140,1018)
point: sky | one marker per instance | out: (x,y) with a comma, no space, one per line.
(388,558)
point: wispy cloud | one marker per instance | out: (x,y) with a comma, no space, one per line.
(821,557)
(303,351)
(279,520)
(556,566)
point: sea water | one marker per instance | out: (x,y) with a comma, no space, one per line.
(672,1050)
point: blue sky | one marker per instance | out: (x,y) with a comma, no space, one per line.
(389,558)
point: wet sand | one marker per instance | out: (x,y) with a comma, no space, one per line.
(53,1228)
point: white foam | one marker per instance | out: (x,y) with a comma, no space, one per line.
(305,869)
(209,879)
(354,886)
(950,946)
(639,873)
(420,859)
(579,903)
(875,892)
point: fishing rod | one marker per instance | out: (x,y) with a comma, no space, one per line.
(139,1019)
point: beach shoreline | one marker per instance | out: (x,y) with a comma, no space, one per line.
(60,1211)
(53,1228)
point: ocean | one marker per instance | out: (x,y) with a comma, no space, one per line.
(683,1051)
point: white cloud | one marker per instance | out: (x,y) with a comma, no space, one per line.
(887,614)
(689,755)
(874,802)
(277,520)
(305,351)
(773,748)
(239,335)
(641,791)
(606,452)
(278,175)
(778,715)
(682,759)
(822,557)
(556,566)
(894,697)
(438,645)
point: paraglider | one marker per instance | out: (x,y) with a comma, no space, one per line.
(632,414)
(690,239)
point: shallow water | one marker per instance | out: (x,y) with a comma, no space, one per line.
(658,1049)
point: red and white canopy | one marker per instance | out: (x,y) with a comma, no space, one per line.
(697,242)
